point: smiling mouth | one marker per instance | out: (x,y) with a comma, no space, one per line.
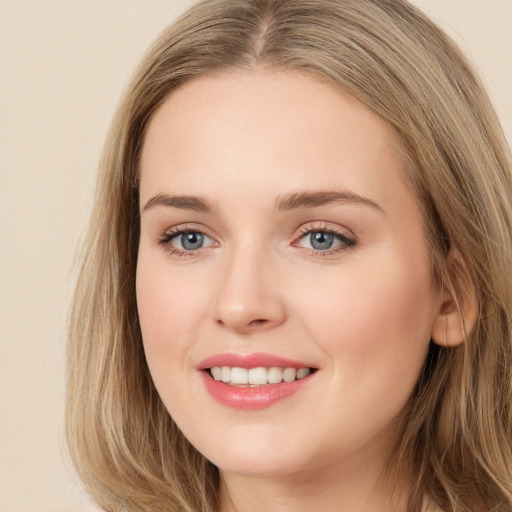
(259,376)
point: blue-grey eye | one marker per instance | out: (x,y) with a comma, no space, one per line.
(181,242)
(324,241)
(321,240)
(191,241)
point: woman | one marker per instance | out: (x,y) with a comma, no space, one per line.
(295,292)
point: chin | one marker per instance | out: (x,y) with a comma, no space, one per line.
(261,467)
(262,455)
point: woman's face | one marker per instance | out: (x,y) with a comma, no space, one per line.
(279,241)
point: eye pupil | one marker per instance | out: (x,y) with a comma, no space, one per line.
(191,241)
(320,240)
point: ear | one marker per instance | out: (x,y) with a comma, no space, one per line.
(458,304)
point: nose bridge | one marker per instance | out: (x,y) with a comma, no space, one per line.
(248,298)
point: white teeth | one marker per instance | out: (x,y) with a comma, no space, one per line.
(289,374)
(239,376)
(257,376)
(226,374)
(303,372)
(275,375)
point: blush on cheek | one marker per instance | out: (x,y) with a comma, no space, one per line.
(153,308)
(382,317)
(168,314)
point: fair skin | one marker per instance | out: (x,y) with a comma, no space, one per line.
(304,242)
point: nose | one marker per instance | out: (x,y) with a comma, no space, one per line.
(249,298)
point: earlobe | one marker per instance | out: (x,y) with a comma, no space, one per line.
(457,312)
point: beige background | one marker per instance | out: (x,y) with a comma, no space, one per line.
(63,65)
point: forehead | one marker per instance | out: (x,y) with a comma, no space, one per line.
(266,131)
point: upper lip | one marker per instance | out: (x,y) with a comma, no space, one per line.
(253,360)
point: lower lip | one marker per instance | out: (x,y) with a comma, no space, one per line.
(251,398)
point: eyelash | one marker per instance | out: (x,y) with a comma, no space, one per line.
(165,240)
(347,241)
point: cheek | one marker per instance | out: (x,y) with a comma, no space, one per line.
(396,309)
(375,324)
(168,310)
(168,316)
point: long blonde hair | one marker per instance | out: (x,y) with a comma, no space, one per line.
(457,430)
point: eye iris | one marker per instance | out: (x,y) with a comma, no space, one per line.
(191,241)
(320,240)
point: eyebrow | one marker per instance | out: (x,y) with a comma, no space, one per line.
(321,198)
(288,202)
(194,203)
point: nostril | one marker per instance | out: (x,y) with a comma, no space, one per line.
(257,322)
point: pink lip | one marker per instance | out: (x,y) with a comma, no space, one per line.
(245,397)
(249,361)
